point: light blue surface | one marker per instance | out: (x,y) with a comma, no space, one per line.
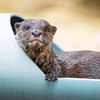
(21,79)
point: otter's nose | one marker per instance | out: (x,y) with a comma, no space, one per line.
(36,33)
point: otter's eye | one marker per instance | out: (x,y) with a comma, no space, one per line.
(26,28)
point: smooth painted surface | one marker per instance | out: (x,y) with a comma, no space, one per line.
(21,79)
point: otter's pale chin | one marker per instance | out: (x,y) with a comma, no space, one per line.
(34,43)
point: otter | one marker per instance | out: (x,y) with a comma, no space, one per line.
(35,37)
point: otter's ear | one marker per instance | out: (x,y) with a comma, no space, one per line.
(54,29)
(17,25)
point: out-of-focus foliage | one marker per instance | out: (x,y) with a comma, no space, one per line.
(91,3)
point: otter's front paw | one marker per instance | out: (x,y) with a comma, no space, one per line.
(51,77)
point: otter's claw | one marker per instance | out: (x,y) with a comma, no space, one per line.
(51,77)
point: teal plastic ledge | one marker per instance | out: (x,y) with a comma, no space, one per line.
(21,79)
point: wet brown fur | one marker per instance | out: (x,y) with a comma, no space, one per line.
(76,64)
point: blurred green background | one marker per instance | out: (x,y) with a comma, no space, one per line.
(77,21)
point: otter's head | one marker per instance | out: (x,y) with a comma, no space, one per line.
(34,33)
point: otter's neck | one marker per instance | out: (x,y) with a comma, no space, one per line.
(43,57)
